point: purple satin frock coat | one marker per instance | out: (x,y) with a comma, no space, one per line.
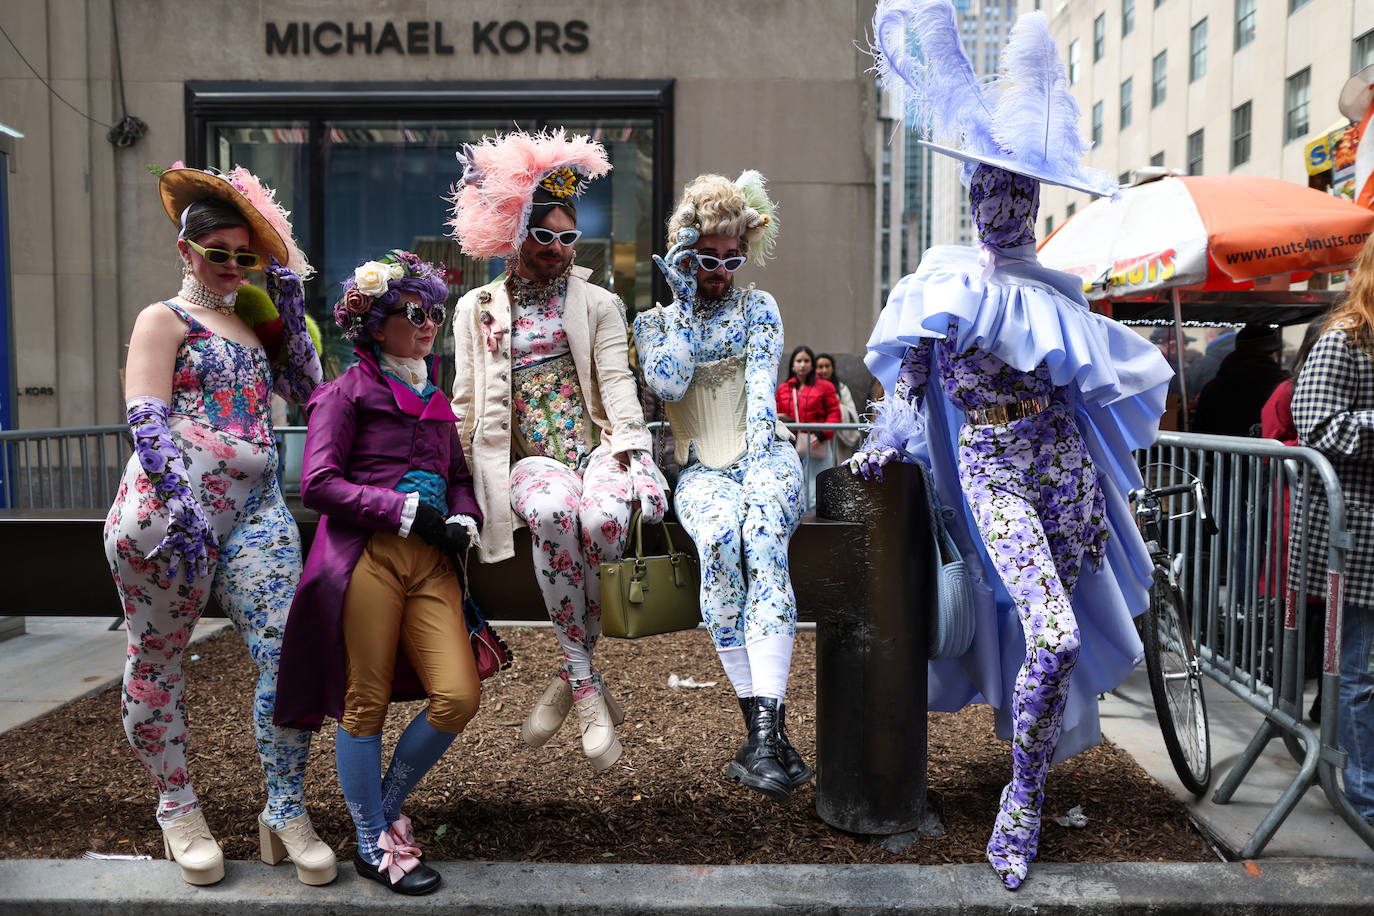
(366,431)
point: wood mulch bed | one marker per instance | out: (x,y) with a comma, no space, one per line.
(72,784)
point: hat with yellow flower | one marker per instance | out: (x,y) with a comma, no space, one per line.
(511,180)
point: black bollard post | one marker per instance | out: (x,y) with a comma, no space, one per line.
(871,658)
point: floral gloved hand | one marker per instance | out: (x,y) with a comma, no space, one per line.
(868,462)
(644,486)
(681,278)
(189,537)
(301,372)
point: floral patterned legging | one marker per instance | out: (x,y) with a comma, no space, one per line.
(253,577)
(576,521)
(1033,490)
(741,518)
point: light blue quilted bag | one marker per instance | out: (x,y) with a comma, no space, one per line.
(951,626)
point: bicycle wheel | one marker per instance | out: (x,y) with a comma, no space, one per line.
(1176,685)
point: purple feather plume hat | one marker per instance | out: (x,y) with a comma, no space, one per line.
(1023,120)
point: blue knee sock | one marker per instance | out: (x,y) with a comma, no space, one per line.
(359,762)
(420,747)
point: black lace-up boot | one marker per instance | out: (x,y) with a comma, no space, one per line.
(758,763)
(797,770)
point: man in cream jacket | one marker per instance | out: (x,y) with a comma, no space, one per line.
(550,418)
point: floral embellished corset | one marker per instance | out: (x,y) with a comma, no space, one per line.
(222,383)
(549,412)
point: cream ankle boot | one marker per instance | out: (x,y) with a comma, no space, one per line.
(599,742)
(189,842)
(314,860)
(548,714)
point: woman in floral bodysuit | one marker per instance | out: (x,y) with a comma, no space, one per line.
(201,501)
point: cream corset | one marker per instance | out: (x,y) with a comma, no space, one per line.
(711,415)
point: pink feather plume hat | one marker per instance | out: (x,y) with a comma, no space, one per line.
(268,222)
(492,201)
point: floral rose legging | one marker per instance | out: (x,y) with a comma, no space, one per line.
(253,576)
(576,521)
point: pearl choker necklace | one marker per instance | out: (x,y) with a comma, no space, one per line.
(197,293)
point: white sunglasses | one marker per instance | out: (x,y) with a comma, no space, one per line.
(546,236)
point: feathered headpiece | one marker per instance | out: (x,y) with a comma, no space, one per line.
(501,177)
(268,222)
(1023,120)
(715,205)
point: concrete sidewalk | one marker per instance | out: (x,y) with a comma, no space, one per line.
(1313,830)
(58,888)
(60,659)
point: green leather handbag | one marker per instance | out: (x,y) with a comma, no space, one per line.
(645,596)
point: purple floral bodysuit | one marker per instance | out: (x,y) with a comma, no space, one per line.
(1034,493)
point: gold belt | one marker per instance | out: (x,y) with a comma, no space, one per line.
(1005,413)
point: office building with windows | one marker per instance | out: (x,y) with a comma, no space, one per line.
(353,110)
(1206,86)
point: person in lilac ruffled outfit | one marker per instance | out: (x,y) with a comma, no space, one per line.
(1026,406)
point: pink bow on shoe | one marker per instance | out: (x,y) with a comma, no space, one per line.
(400,855)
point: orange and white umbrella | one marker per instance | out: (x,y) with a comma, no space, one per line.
(1212,232)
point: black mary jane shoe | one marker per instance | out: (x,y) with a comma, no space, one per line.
(422,880)
(758,763)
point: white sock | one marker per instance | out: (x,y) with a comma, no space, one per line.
(735,661)
(770,661)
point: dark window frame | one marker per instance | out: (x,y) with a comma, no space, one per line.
(1196,148)
(1240,140)
(533,101)
(1197,56)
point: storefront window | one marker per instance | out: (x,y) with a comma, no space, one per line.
(363,184)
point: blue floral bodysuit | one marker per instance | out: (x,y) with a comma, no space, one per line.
(221,421)
(740,507)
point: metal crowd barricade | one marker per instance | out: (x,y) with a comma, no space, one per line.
(69,468)
(1249,626)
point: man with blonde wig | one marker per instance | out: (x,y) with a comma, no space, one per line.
(712,355)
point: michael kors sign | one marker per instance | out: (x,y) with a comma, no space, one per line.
(543,36)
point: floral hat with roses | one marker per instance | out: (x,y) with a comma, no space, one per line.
(377,285)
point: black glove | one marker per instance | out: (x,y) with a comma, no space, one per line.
(429,525)
(456,539)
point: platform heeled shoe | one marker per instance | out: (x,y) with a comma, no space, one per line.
(313,858)
(549,713)
(187,840)
(599,742)
(547,716)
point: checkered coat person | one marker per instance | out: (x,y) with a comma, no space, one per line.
(1333,408)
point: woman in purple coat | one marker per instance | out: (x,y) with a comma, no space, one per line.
(379,616)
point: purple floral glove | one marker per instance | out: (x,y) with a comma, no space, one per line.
(868,462)
(644,486)
(301,372)
(189,538)
(681,278)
